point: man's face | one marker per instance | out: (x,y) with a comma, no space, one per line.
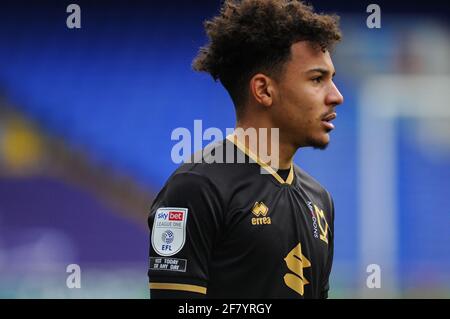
(306,97)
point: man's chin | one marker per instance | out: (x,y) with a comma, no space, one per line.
(320,144)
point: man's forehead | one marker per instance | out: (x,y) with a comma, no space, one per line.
(305,56)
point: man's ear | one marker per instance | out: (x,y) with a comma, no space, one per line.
(262,89)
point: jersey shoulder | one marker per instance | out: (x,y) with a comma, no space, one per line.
(220,163)
(214,168)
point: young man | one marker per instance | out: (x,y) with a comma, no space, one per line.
(227,230)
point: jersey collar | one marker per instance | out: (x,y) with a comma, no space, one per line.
(233,139)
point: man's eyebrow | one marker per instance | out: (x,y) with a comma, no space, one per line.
(325,72)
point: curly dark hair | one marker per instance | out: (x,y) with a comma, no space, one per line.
(251,36)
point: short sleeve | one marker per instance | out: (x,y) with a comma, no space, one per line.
(185,221)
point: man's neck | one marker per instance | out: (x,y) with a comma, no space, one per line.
(271,141)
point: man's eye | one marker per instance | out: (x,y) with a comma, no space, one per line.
(317,79)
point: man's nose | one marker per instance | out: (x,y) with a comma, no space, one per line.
(334,97)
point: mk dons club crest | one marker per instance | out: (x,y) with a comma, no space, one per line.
(169,230)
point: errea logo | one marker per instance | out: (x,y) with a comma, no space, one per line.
(260,210)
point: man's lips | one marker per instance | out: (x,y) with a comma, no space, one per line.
(329,117)
(327,121)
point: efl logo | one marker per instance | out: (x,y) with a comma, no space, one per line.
(178,216)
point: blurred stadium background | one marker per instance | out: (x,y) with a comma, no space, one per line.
(86,117)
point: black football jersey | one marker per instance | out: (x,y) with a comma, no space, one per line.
(240,230)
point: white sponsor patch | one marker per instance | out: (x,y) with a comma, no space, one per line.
(169,230)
